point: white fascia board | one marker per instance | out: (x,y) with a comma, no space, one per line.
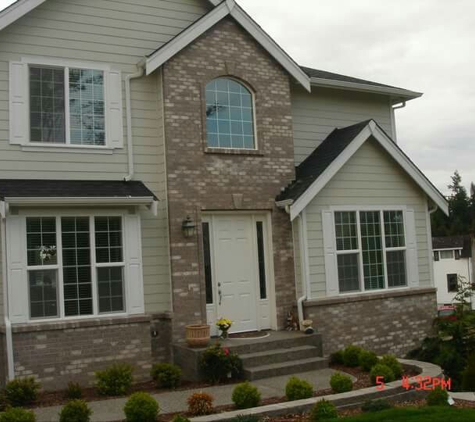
(398,93)
(372,129)
(17,10)
(63,201)
(448,249)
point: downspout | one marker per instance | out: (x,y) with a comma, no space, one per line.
(128,104)
(8,324)
(303,271)
(429,240)
(393,118)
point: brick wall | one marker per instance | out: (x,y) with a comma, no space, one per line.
(392,322)
(200,179)
(56,354)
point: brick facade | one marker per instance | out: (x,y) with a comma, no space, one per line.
(392,322)
(201,180)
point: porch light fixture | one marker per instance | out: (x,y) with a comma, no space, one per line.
(188,227)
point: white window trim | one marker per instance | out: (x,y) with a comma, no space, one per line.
(24,214)
(30,146)
(359,251)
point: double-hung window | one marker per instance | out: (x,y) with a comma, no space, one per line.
(75,266)
(370,250)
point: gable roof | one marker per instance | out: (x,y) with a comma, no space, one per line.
(227,8)
(332,154)
(453,242)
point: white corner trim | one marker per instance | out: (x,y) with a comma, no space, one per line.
(3,210)
(372,129)
(228,7)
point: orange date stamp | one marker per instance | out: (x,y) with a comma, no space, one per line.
(419,383)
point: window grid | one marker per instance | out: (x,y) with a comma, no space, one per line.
(43,293)
(229,115)
(110,286)
(446,254)
(346,231)
(371,244)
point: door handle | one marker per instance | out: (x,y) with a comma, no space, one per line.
(220,296)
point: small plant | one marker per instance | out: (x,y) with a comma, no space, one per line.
(141,407)
(298,389)
(336,358)
(246,418)
(367,360)
(200,404)
(394,364)
(180,418)
(115,380)
(17,415)
(468,375)
(74,391)
(246,396)
(382,373)
(218,364)
(376,405)
(166,375)
(341,383)
(351,356)
(21,392)
(323,410)
(75,411)
(438,397)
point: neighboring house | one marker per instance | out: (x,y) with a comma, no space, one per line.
(167,163)
(452,259)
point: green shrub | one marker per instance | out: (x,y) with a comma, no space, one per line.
(246,418)
(141,407)
(217,363)
(380,370)
(166,375)
(115,380)
(75,411)
(468,375)
(246,396)
(200,404)
(376,405)
(21,392)
(438,397)
(336,358)
(394,364)
(351,356)
(323,410)
(74,391)
(367,360)
(297,389)
(17,415)
(180,418)
(341,383)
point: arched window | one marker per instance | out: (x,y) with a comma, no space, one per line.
(229,115)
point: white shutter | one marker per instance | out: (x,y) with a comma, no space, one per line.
(17,274)
(411,239)
(329,246)
(134,273)
(115,130)
(19,123)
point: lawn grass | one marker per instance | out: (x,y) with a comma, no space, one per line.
(412,414)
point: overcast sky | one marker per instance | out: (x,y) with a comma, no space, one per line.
(423,45)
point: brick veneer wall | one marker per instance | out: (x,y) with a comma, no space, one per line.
(56,354)
(392,322)
(200,179)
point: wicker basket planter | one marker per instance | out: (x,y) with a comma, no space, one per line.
(197,335)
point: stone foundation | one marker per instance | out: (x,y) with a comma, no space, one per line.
(57,353)
(391,322)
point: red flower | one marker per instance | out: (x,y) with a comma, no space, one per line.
(226,352)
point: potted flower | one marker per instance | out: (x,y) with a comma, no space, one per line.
(224,325)
(197,335)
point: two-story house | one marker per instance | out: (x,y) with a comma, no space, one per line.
(165,163)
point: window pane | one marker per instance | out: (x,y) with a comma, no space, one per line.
(41,241)
(373,264)
(262,259)
(108,239)
(110,286)
(86,102)
(394,229)
(229,115)
(346,231)
(43,286)
(207,263)
(446,254)
(348,273)
(76,266)
(396,262)
(452,283)
(47,112)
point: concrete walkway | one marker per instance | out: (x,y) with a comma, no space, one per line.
(463,396)
(175,401)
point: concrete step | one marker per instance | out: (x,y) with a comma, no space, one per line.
(251,360)
(285,368)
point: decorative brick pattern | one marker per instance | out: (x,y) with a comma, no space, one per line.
(204,180)
(394,322)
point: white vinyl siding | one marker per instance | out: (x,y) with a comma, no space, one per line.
(118,33)
(317,114)
(372,179)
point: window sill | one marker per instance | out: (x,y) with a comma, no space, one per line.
(74,149)
(234,151)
